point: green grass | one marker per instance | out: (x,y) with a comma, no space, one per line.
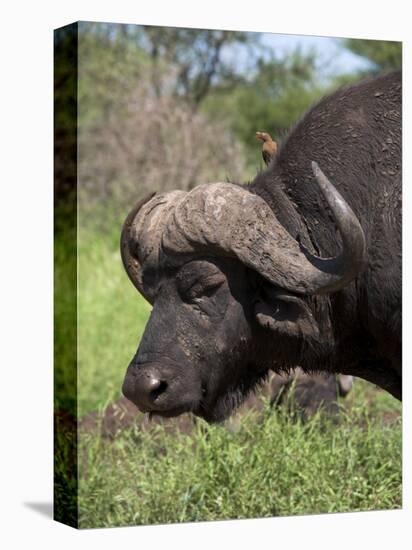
(270,466)
(65,320)
(111,319)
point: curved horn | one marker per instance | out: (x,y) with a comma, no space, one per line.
(227,219)
(130,261)
(335,273)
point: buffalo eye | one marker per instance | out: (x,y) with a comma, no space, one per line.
(205,288)
(194,285)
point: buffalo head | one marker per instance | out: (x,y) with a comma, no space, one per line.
(230,290)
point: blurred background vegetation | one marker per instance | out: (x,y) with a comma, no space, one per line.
(166,108)
(169,108)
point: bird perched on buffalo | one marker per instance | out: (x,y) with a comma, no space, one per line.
(269,147)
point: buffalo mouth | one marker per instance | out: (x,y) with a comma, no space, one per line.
(211,414)
(165,390)
(202,406)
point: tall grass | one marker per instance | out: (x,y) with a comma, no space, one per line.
(269,467)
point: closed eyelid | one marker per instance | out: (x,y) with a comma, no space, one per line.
(205,284)
(200,283)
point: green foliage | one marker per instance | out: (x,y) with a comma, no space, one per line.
(270,467)
(65,362)
(65,468)
(131,140)
(278,93)
(232,77)
(265,91)
(109,70)
(65,309)
(197,57)
(382,54)
(65,75)
(176,62)
(65,113)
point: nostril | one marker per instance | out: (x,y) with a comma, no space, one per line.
(157,389)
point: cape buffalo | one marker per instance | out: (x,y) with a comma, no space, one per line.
(300,267)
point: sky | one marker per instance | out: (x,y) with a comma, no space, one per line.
(331,58)
(336,59)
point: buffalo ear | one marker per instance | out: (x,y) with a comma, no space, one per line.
(285,314)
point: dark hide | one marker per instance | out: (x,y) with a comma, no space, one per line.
(355,136)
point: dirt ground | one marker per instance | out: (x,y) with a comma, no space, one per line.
(309,393)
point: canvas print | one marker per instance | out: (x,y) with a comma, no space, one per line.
(228,293)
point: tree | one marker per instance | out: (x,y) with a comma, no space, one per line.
(200,59)
(276,94)
(382,55)
(184,63)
